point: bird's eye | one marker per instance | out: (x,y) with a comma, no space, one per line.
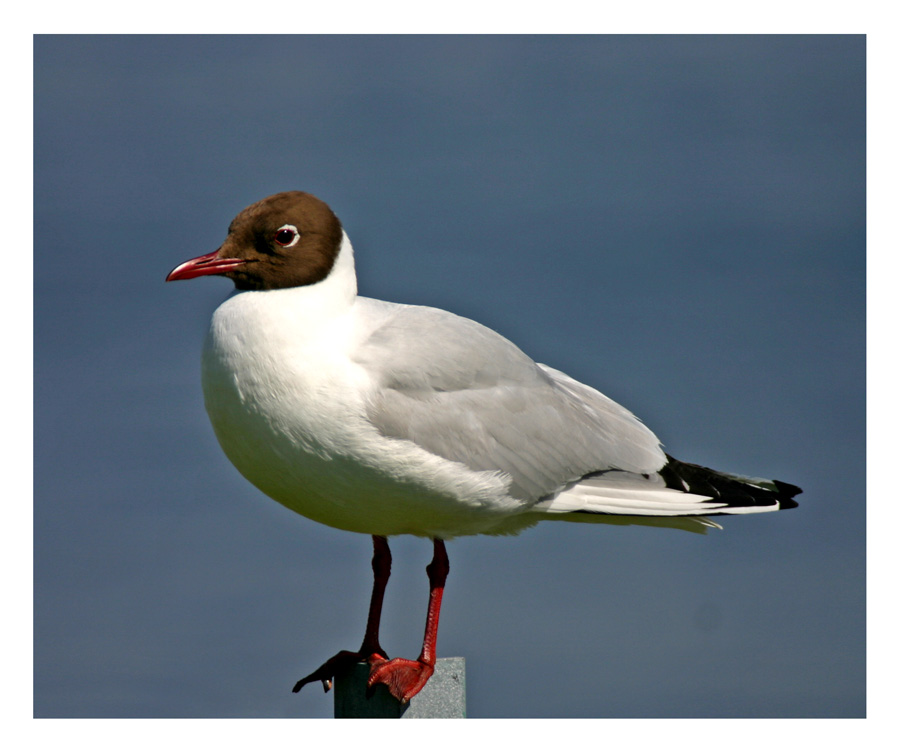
(287,236)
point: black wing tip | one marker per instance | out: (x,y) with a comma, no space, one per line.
(789,490)
(735,491)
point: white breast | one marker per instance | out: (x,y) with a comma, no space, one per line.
(288,406)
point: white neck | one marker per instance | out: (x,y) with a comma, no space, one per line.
(337,291)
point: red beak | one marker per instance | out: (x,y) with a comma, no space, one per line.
(208,264)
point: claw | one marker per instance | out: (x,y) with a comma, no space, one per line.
(325,674)
(340,662)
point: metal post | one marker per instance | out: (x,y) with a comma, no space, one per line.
(444,697)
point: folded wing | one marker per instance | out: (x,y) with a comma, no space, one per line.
(464,393)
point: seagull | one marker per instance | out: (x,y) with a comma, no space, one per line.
(389,419)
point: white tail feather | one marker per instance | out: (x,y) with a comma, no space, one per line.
(621,493)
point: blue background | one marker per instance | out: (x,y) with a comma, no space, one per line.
(677,221)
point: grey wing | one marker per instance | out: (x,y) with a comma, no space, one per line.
(465,393)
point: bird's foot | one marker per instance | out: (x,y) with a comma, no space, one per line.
(403,677)
(340,662)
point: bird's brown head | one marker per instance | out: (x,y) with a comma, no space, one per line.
(286,240)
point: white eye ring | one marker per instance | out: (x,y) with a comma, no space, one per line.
(291,229)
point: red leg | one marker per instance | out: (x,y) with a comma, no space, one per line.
(381,568)
(404,677)
(370,650)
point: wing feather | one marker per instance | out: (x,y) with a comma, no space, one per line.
(465,393)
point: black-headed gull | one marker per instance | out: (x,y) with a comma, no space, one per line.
(389,419)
